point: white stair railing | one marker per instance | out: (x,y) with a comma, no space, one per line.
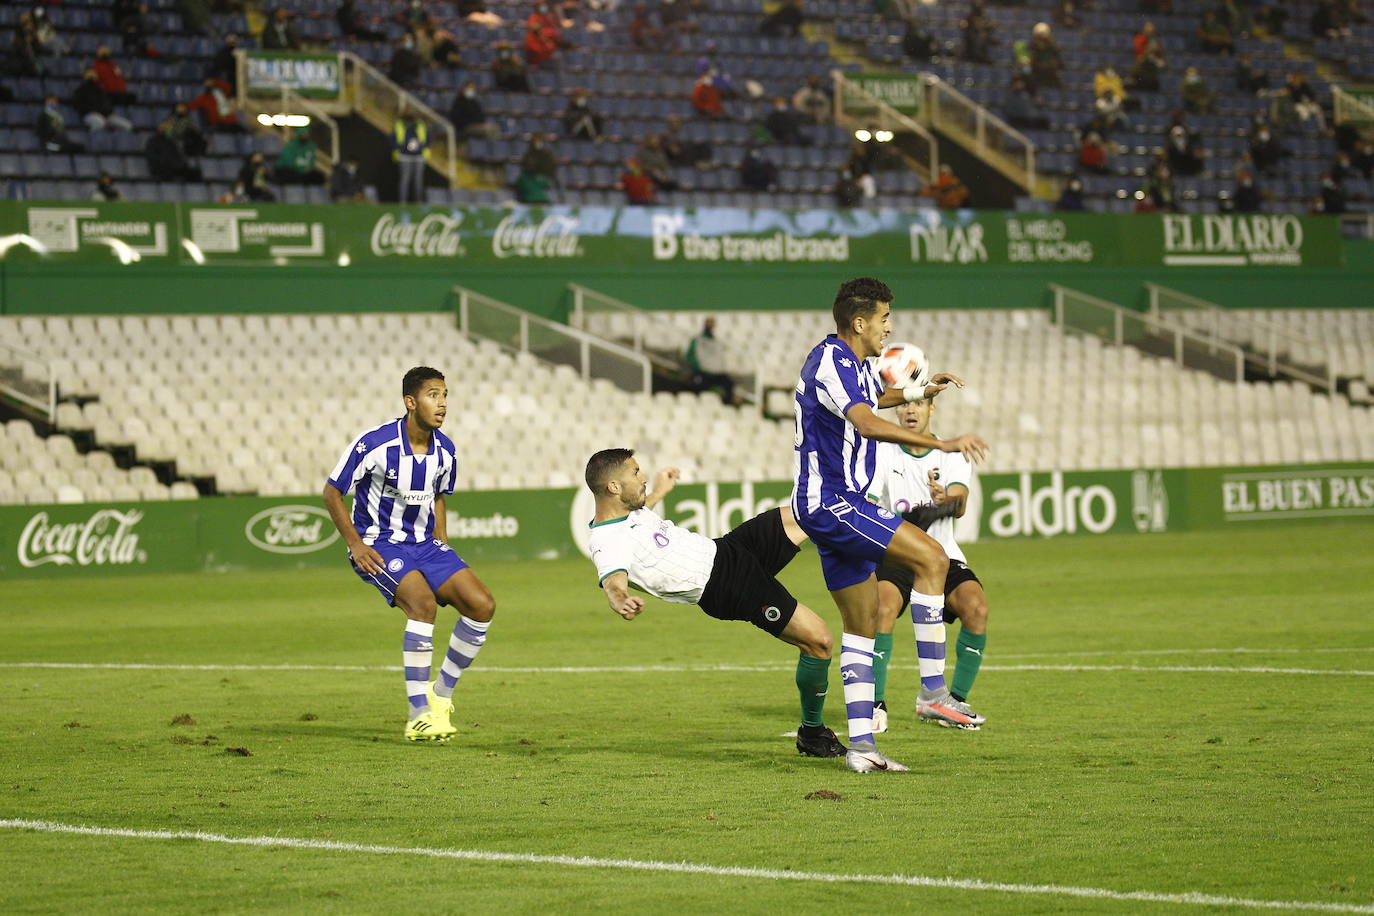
(382,102)
(520,331)
(992,139)
(287,101)
(856,108)
(1350,107)
(30,379)
(1273,345)
(1084,314)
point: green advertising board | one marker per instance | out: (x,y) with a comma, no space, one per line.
(233,533)
(901,91)
(315,76)
(192,234)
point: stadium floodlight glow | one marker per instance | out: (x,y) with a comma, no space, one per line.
(883,136)
(344,259)
(281,119)
(1139,195)
(193,250)
(20,238)
(121,248)
(862,135)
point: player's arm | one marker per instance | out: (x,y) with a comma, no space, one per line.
(891,397)
(617,589)
(872,426)
(440,519)
(664,481)
(368,560)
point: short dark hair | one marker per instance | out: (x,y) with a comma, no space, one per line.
(859,297)
(410,385)
(603,464)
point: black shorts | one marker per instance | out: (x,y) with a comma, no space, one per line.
(743,583)
(958,574)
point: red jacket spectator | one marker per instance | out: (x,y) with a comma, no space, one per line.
(706,99)
(539,47)
(108,73)
(639,187)
(215,106)
(547,17)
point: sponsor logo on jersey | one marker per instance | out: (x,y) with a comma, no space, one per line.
(771,614)
(291,529)
(396,564)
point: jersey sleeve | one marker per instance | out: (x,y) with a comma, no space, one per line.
(610,554)
(351,467)
(957,470)
(445,482)
(838,383)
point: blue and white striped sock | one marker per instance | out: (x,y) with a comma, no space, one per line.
(418,653)
(928,617)
(468,637)
(856,674)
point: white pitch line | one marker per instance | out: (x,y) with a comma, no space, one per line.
(1236,651)
(691,868)
(673,669)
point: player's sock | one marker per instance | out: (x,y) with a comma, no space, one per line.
(463,646)
(968,654)
(856,672)
(418,652)
(928,616)
(882,657)
(813,680)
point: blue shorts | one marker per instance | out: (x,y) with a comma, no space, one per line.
(435,560)
(851,535)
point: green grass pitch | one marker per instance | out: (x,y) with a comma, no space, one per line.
(1114,760)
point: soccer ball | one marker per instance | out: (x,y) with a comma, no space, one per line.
(902,364)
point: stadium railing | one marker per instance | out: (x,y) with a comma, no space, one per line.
(288,102)
(1273,346)
(29,379)
(380,102)
(642,331)
(519,331)
(856,108)
(995,141)
(1081,313)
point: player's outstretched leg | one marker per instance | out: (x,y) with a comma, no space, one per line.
(417,602)
(476,607)
(809,633)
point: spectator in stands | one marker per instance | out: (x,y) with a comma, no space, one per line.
(1045,60)
(783,124)
(847,192)
(409,150)
(296,161)
(216,107)
(681,151)
(655,162)
(166,162)
(1066,14)
(468,116)
(1342,169)
(676,16)
(1333,198)
(444,50)
(508,71)
(1149,59)
(1235,16)
(186,132)
(917,42)
(1157,194)
(45,33)
(111,77)
(346,184)
(95,106)
(706,98)
(52,129)
(705,357)
(638,186)
(1197,97)
(1109,97)
(254,178)
(977,33)
(1246,196)
(784,22)
(236,194)
(1297,106)
(580,120)
(538,158)
(539,46)
(280,33)
(1249,78)
(105,189)
(1266,150)
(756,172)
(949,191)
(1184,152)
(136,25)
(1023,108)
(405,66)
(24,53)
(812,101)
(1214,35)
(709,63)
(353,24)
(643,32)
(195,15)
(1092,154)
(1071,198)
(476,12)
(1331,19)
(1363,160)
(223,66)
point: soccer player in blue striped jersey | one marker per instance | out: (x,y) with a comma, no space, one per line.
(399,474)
(835,454)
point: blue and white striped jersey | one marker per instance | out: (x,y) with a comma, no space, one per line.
(831,456)
(393,488)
